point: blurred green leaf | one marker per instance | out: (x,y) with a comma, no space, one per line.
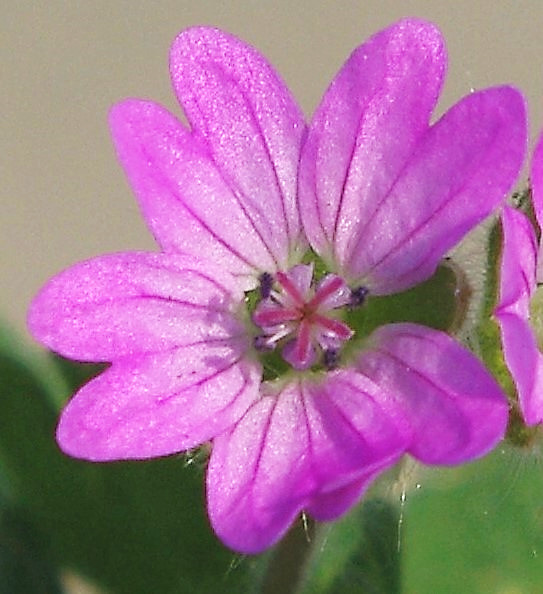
(476,528)
(26,565)
(134,527)
(358,553)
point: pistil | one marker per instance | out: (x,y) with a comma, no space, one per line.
(301,316)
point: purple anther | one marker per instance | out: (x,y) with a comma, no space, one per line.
(262,343)
(331,358)
(358,296)
(266,284)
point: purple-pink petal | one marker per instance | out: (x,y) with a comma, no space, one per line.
(158,404)
(293,448)
(123,304)
(525,362)
(517,285)
(252,127)
(355,428)
(457,175)
(384,196)
(365,128)
(456,409)
(518,264)
(329,505)
(255,476)
(187,203)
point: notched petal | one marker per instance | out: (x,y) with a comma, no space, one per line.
(243,112)
(256,479)
(128,303)
(518,263)
(365,128)
(536,180)
(296,449)
(459,172)
(330,505)
(160,404)
(185,199)
(456,409)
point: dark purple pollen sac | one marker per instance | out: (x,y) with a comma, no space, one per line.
(262,344)
(266,284)
(330,359)
(358,296)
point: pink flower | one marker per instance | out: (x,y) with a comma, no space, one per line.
(233,334)
(519,265)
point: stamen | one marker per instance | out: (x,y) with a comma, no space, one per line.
(266,284)
(330,359)
(263,343)
(300,352)
(302,349)
(358,296)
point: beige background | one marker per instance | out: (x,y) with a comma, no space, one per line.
(63,196)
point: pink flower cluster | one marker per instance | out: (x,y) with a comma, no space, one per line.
(246,204)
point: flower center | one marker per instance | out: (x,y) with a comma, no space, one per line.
(303,317)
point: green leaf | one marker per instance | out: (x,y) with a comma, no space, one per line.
(133,527)
(477,528)
(358,553)
(26,566)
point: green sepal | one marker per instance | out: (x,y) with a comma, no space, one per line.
(435,303)
(486,340)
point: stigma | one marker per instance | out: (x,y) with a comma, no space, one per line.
(303,317)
